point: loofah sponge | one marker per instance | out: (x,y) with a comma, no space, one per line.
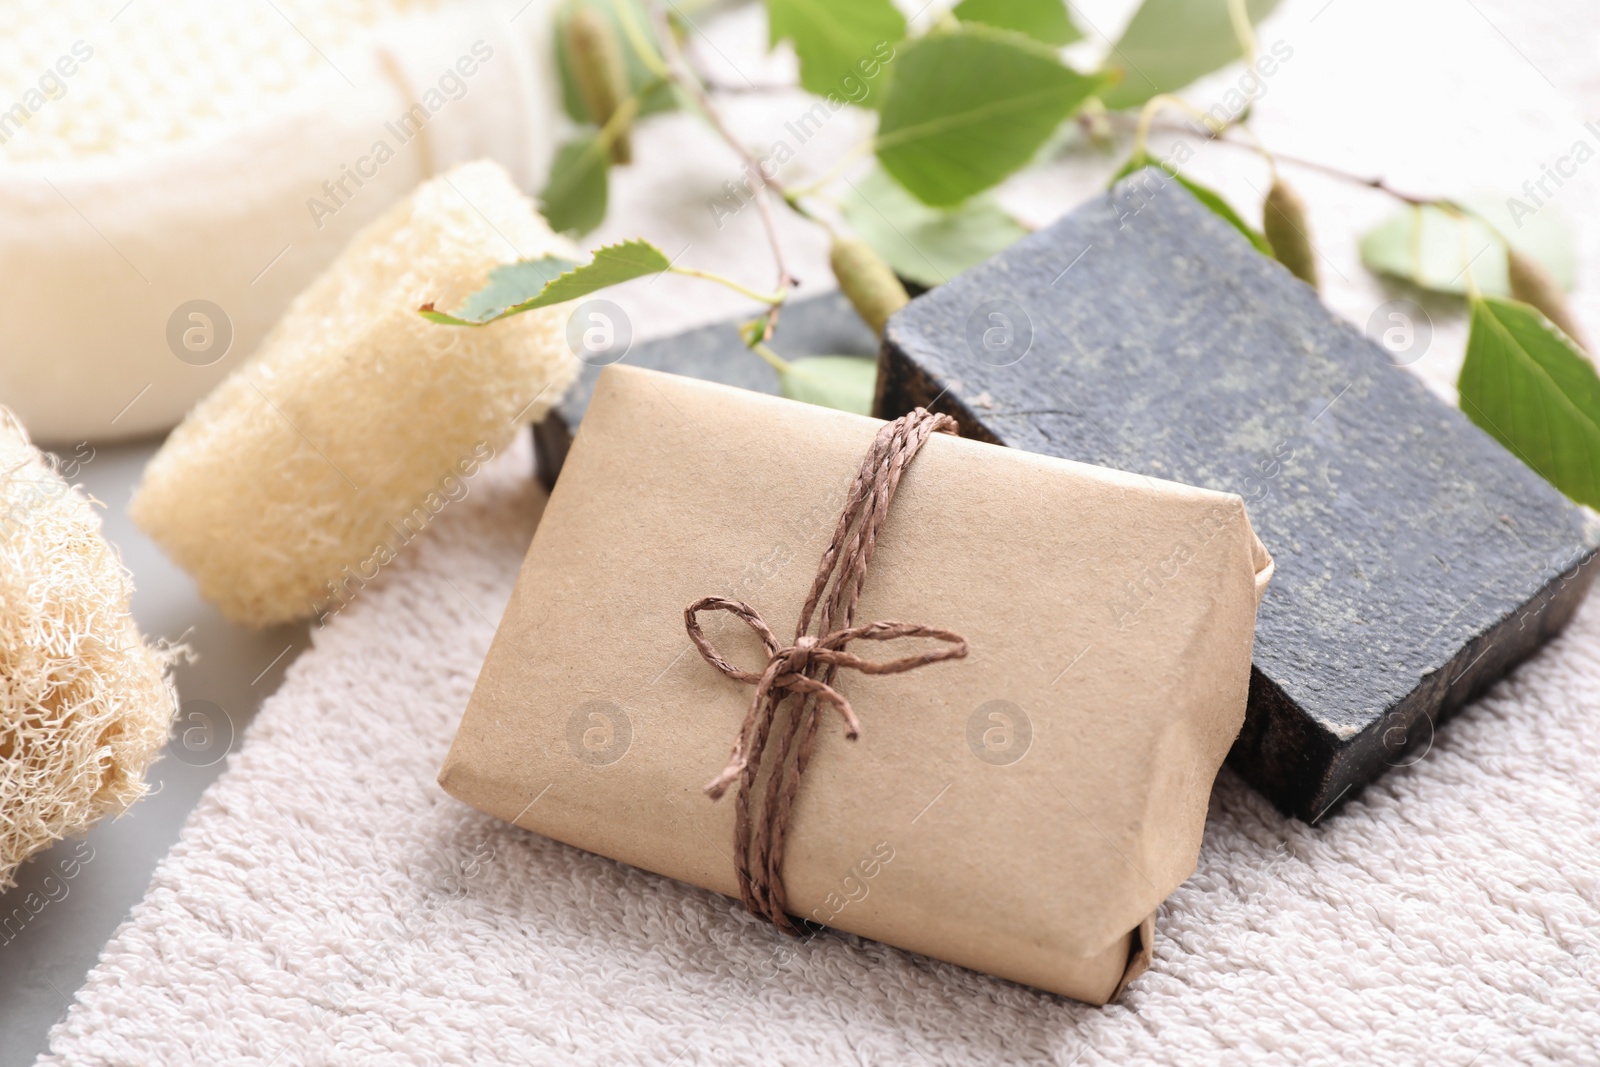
(85,704)
(314,463)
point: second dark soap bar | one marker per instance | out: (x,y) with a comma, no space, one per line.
(1417,559)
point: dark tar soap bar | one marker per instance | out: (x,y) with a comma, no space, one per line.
(822,325)
(1417,559)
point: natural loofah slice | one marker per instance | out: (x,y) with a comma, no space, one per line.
(358,420)
(85,704)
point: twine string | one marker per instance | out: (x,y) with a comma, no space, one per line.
(807,667)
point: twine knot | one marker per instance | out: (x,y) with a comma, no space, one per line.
(806,667)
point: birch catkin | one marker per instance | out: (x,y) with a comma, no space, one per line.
(596,60)
(1532,284)
(872,287)
(1283,223)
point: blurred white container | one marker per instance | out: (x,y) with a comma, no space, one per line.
(172,175)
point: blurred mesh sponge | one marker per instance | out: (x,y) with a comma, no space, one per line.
(169,73)
(315,462)
(157,154)
(84,703)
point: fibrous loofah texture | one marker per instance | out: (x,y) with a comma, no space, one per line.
(85,704)
(170,73)
(313,464)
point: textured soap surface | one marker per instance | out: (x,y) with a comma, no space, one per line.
(814,326)
(1418,560)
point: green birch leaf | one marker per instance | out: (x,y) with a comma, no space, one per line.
(1213,200)
(840,43)
(1524,383)
(1207,196)
(969,107)
(509,285)
(843,382)
(1170,43)
(574,197)
(1431,247)
(536,283)
(1046,21)
(924,244)
(659,97)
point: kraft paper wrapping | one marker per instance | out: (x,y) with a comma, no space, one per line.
(1022,811)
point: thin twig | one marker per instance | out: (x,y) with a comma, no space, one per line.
(711,276)
(749,89)
(846,160)
(775,361)
(716,85)
(1308,164)
(689,83)
(1357,179)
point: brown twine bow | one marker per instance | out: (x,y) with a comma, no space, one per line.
(807,667)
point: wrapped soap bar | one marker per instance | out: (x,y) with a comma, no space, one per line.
(1021,810)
